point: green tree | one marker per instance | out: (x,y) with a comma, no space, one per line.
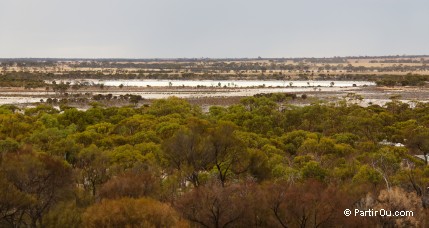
(93,164)
(40,178)
(226,151)
(185,150)
(418,140)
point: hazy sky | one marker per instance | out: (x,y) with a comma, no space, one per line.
(216,28)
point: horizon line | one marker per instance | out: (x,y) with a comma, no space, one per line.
(211,58)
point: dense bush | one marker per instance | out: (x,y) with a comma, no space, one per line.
(259,163)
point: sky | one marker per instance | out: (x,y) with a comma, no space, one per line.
(212,29)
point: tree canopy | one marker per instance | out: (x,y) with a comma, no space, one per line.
(261,162)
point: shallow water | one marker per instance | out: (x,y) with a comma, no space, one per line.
(34,100)
(243,88)
(19,100)
(220,83)
(220,93)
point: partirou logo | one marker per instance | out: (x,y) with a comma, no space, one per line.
(380,212)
